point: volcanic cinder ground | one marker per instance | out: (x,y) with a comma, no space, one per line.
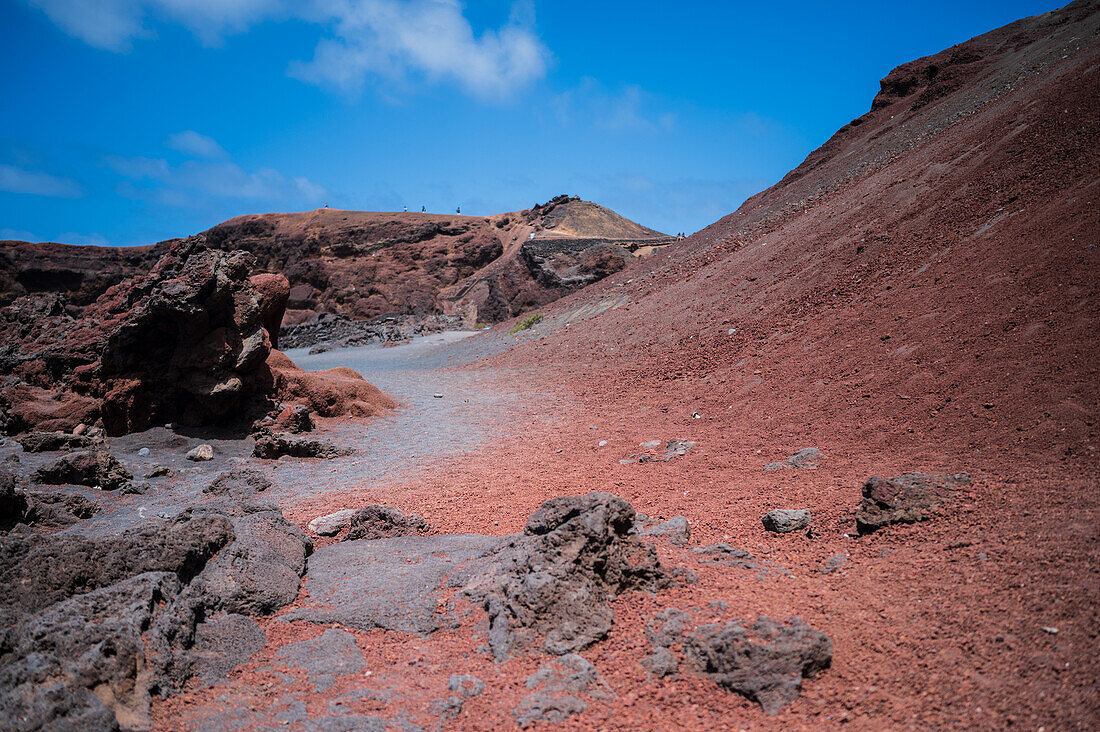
(921,294)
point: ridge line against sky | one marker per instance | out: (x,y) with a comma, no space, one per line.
(133,121)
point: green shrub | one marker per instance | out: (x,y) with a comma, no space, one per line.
(526,323)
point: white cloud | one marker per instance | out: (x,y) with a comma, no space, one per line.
(631,108)
(190,142)
(393,40)
(388,40)
(19,180)
(192,182)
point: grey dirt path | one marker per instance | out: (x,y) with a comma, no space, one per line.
(477,407)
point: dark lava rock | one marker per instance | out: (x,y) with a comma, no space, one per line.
(54,441)
(90,628)
(559,689)
(662,662)
(13,501)
(766,665)
(556,579)
(904,499)
(807,457)
(667,627)
(58,509)
(676,529)
(376,521)
(466,685)
(273,447)
(390,583)
(90,468)
(786,520)
(672,449)
(241,483)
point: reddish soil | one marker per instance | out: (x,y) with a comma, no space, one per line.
(921,294)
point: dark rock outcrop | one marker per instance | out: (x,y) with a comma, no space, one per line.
(786,520)
(273,447)
(554,581)
(904,499)
(92,628)
(95,468)
(560,689)
(55,442)
(767,664)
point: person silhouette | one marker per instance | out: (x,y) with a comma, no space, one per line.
(422,209)
(458,209)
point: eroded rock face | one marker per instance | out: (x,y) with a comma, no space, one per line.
(55,441)
(904,499)
(91,628)
(554,581)
(183,343)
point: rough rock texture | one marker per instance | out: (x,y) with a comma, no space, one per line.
(273,289)
(380,522)
(200,453)
(554,580)
(767,664)
(786,520)
(273,447)
(241,484)
(96,468)
(676,529)
(90,628)
(559,690)
(904,499)
(807,457)
(294,419)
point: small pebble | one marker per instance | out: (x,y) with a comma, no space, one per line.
(603,442)
(437,395)
(1050,629)
(144,452)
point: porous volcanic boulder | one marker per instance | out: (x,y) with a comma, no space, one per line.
(294,419)
(273,447)
(90,628)
(241,484)
(556,579)
(13,501)
(376,521)
(88,467)
(786,520)
(904,499)
(767,664)
(274,289)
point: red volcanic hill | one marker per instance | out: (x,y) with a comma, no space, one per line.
(367,264)
(927,276)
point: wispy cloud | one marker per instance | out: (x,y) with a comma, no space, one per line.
(390,41)
(113,25)
(17,235)
(71,237)
(629,108)
(36,183)
(194,182)
(190,142)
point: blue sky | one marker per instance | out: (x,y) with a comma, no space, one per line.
(132,121)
